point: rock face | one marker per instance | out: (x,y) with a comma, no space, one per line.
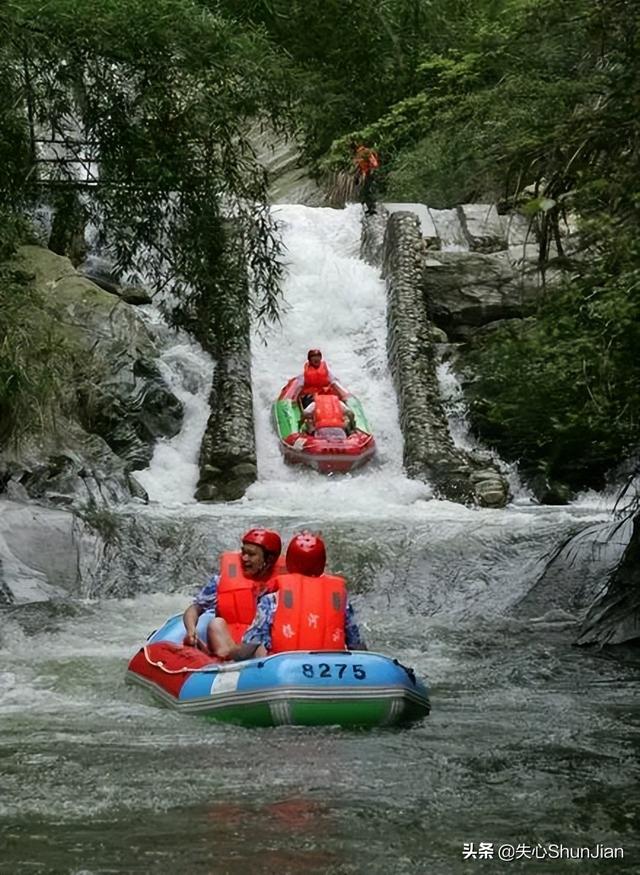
(429,451)
(486,269)
(115,409)
(464,291)
(288,178)
(45,553)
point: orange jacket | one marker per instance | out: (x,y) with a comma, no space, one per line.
(366,160)
(237,595)
(329,412)
(315,379)
(310,614)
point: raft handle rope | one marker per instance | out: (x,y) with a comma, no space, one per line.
(204,669)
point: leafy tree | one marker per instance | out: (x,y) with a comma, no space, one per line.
(136,119)
(351,60)
(144,115)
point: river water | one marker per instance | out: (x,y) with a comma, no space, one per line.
(530,741)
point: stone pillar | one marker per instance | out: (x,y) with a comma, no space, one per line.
(429,451)
(228,463)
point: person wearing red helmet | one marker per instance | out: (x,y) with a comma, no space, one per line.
(307,609)
(316,379)
(232,594)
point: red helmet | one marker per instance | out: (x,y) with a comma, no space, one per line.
(265,538)
(306,555)
(313,352)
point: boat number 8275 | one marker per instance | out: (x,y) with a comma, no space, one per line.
(337,670)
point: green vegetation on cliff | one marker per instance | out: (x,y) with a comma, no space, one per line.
(34,359)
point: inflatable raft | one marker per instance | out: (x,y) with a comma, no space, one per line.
(301,688)
(326,456)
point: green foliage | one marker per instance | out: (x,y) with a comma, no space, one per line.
(532,101)
(350,61)
(562,394)
(536,102)
(35,366)
(145,115)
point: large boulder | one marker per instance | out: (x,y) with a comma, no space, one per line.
(112,411)
(45,553)
(464,291)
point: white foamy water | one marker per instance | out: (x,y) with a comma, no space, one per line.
(172,476)
(336,302)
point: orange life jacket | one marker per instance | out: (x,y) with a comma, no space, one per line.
(310,613)
(237,595)
(328,412)
(366,159)
(315,379)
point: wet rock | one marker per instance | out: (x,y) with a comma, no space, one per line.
(484,229)
(464,291)
(438,335)
(228,450)
(113,410)
(135,295)
(547,490)
(207,492)
(44,553)
(489,489)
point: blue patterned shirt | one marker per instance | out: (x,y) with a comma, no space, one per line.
(260,630)
(207,598)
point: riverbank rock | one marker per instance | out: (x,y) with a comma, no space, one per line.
(613,620)
(113,410)
(45,553)
(464,291)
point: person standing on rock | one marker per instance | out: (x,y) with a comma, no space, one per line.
(367,162)
(233,593)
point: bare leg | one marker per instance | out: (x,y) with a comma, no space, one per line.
(219,639)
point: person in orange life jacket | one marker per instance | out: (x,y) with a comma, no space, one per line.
(233,593)
(328,417)
(367,162)
(308,609)
(316,379)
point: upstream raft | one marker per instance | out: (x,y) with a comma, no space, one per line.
(303,688)
(325,455)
